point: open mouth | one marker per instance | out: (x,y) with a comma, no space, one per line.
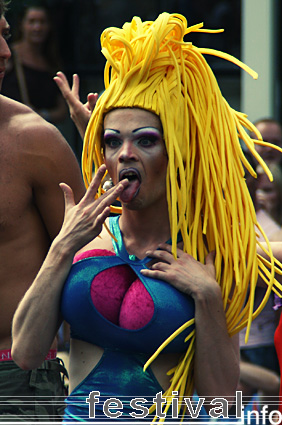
(134,178)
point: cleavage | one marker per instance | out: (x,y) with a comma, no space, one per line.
(120,297)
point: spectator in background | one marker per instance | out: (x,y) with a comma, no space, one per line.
(267,197)
(250,180)
(271,132)
(269,194)
(259,367)
(257,384)
(262,189)
(34,61)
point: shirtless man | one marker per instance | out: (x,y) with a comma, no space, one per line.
(34,159)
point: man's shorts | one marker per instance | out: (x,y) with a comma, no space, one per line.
(32,395)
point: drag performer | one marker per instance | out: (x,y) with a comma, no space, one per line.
(165,285)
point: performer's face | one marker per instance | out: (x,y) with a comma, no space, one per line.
(135,149)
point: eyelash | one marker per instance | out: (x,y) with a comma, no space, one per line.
(152,139)
(108,142)
(7,36)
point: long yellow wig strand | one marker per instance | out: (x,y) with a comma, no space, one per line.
(148,65)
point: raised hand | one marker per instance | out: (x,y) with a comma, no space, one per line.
(80,113)
(185,273)
(83,221)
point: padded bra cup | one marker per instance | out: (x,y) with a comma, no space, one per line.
(119,295)
(108,302)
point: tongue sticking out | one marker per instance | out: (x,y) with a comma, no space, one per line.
(130,191)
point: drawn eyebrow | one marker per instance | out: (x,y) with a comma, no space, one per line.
(111,129)
(146,128)
(136,130)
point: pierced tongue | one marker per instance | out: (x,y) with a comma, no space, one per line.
(130,191)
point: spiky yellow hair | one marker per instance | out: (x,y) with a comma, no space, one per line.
(150,66)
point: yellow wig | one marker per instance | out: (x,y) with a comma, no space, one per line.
(150,66)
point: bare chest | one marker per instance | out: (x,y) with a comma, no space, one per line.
(15,190)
